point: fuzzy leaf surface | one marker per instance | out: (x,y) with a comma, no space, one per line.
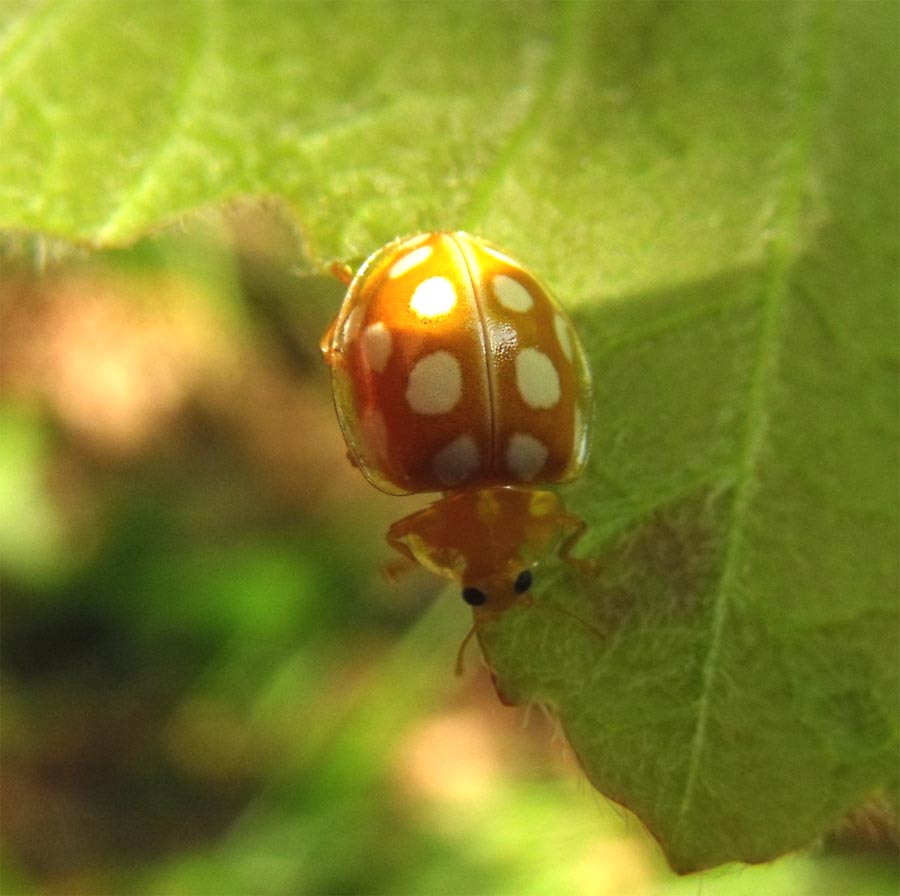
(712,188)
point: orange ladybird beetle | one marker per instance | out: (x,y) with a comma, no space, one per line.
(455,371)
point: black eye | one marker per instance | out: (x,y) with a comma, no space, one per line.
(474,597)
(523,581)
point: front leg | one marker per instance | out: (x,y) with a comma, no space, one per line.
(403,564)
(573,528)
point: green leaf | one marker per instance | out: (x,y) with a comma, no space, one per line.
(743,492)
(713,187)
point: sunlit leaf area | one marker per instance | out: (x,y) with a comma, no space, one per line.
(211,686)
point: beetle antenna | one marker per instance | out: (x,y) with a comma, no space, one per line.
(460,654)
(554,609)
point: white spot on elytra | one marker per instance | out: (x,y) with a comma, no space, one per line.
(435,384)
(537,379)
(376,346)
(433,297)
(353,323)
(457,460)
(511,294)
(525,456)
(563,335)
(409,261)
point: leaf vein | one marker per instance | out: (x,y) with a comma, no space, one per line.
(677,321)
(26,36)
(546,85)
(156,166)
(770,344)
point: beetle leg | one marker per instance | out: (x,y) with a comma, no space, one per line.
(342,272)
(575,528)
(403,564)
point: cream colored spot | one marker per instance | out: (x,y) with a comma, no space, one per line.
(563,335)
(435,384)
(525,456)
(409,261)
(537,379)
(376,346)
(511,294)
(433,297)
(487,507)
(543,504)
(457,460)
(353,323)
